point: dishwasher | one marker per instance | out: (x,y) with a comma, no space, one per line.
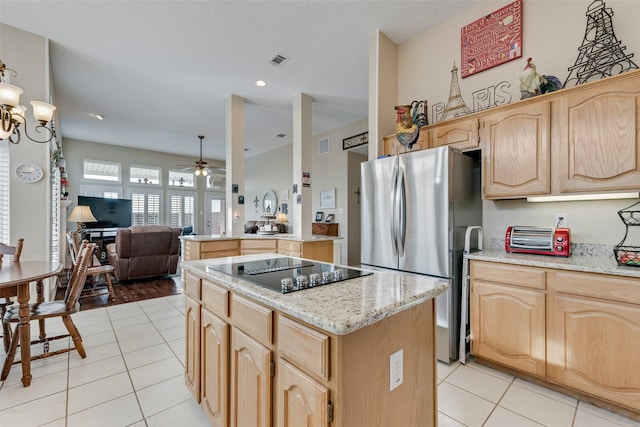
(465,329)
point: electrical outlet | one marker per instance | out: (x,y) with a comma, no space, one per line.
(395,370)
(561,221)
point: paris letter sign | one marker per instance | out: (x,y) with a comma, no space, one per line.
(492,40)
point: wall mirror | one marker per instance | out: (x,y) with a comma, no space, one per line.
(269,203)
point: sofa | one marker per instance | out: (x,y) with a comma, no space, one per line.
(254,226)
(144,251)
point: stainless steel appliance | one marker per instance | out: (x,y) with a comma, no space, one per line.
(286,274)
(415,209)
(538,240)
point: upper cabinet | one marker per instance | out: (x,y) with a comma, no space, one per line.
(596,138)
(393,147)
(462,133)
(515,154)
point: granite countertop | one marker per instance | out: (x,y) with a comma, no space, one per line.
(279,236)
(339,308)
(584,262)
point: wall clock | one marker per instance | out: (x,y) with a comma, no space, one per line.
(29,173)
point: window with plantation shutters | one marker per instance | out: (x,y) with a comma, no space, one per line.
(100,170)
(4,191)
(145,207)
(182,209)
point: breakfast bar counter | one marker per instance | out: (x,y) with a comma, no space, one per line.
(355,352)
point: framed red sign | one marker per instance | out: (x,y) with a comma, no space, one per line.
(492,40)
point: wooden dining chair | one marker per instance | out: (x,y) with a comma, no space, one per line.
(95,270)
(7,293)
(57,308)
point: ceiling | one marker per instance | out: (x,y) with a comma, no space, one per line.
(161,72)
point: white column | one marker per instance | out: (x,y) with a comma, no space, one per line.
(234,148)
(302,160)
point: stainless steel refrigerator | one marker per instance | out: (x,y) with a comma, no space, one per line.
(415,209)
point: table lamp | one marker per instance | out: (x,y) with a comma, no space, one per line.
(80,215)
(282,218)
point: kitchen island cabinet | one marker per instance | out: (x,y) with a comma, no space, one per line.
(316,247)
(315,357)
(560,320)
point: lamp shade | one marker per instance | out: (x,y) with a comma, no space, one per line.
(282,218)
(82,214)
(42,111)
(10,94)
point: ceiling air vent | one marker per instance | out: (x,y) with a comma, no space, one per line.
(278,60)
(323,145)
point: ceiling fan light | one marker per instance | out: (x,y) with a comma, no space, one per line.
(204,172)
(10,94)
(198,172)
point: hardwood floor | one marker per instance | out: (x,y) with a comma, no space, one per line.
(136,290)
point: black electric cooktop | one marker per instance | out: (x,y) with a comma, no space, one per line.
(288,274)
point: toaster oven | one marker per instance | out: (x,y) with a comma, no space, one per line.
(538,240)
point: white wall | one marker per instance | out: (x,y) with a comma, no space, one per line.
(28,55)
(552,33)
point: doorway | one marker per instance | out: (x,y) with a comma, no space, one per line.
(215,213)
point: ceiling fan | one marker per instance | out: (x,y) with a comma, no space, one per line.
(201,167)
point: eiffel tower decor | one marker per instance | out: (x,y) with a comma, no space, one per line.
(601,54)
(455,105)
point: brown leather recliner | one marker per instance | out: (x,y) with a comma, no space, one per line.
(144,251)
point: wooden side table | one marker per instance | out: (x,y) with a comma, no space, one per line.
(325,228)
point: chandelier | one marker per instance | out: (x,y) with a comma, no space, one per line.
(12,113)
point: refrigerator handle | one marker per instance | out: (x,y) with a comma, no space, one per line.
(394,211)
(402,211)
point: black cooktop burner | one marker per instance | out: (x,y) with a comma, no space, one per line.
(288,274)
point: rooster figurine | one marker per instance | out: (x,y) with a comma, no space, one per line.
(410,119)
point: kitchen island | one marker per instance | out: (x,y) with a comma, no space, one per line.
(311,246)
(360,352)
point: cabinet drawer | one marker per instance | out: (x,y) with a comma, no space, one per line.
(215,298)
(528,277)
(288,245)
(219,254)
(305,347)
(252,318)
(603,286)
(221,245)
(267,245)
(192,285)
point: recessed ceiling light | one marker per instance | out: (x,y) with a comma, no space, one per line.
(99,116)
(261,83)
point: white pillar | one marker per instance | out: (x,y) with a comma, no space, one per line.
(302,160)
(234,149)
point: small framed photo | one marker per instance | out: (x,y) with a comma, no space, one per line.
(328,198)
(319,216)
(329,218)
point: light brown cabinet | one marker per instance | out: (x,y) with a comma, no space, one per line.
(596,137)
(214,370)
(258,246)
(302,401)
(391,145)
(508,316)
(574,329)
(516,152)
(462,133)
(192,342)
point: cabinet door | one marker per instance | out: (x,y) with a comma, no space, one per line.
(250,382)
(593,347)
(392,147)
(302,401)
(598,134)
(461,134)
(508,326)
(192,342)
(515,152)
(215,371)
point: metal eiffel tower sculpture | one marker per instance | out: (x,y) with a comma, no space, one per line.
(455,105)
(601,54)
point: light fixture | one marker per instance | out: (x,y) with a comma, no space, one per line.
(81,215)
(282,218)
(577,197)
(261,83)
(99,116)
(12,113)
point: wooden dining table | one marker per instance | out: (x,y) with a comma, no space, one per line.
(16,276)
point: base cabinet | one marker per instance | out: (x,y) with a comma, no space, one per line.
(319,250)
(302,401)
(192,341)
(581,331)
(215,369)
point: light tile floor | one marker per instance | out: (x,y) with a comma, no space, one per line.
(134,376)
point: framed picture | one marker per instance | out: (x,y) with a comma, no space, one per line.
(319,216)
(355,140)
(329,218)
(328,198)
